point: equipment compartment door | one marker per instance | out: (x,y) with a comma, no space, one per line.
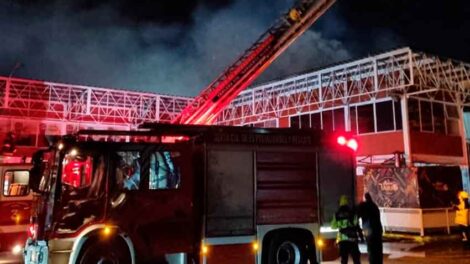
(230,193)
(286,187)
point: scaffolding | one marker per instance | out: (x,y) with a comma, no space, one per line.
(48,101)
(400,72)
(391,74)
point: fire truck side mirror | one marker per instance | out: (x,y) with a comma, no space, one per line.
(35,173)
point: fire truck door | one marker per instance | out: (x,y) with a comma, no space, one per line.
(161,218)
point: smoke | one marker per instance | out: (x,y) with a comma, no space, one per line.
(311,50)
(100,46)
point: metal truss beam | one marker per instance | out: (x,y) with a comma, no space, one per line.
(63,102)
(394,73)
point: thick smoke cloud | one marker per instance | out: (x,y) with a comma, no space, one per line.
(100,46)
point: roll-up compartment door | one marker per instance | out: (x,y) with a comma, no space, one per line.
(230,191)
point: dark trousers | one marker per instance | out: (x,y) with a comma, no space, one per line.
(466,230)
(375,249)
(347,248)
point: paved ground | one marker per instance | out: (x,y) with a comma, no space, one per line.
(428,250)
(6,258)
(399,249)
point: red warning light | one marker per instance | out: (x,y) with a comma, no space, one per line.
(352,144)
(342,140)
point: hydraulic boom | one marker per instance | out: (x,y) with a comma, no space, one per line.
(214,98)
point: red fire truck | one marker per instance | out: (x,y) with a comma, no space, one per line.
(15,203)
(237,195)
(16,198)
(214,195)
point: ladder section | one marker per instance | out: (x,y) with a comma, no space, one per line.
(214,98)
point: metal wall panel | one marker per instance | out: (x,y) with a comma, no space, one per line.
(286,187)
(230,199)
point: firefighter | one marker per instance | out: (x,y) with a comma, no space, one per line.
(461,215)
(372,227)
(346,221)
(294,15)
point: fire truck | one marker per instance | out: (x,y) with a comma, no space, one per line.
(188,194)
(15,203)
(179,194)
(218,94)
(15,198)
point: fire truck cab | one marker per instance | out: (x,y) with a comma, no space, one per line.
(212,195)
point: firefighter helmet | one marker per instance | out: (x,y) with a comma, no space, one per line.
(463,195)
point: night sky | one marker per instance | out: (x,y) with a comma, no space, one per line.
(177,47)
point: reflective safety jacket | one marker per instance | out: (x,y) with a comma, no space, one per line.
(345,220)
(461,215)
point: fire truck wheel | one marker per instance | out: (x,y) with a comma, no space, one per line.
(287,249)
(112,251)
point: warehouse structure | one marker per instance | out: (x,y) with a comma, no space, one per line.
(406,108)
(35,110)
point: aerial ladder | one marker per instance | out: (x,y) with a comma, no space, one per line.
(214,98)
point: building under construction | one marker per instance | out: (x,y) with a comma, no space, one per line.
(407,109)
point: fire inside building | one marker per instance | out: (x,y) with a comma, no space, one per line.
(406,108)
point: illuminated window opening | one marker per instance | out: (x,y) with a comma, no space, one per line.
(16,183)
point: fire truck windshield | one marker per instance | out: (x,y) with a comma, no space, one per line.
(76,170)
(81,195)
(82,173)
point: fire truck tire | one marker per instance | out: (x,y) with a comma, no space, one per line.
(287,249)
(113,251)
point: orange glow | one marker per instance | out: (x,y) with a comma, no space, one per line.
(106,231)
(204,250)
(17,218)
(320,243)
(255,245)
